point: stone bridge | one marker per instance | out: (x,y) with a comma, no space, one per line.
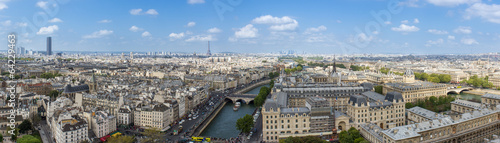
(458,90)
(245,98)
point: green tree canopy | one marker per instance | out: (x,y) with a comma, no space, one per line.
(28,139)
(152,134)
(25,126)
(245,124)
(121,139)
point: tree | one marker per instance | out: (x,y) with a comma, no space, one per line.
(433,100)
(434,79)
(121,139)
(53,94)
(424,76)
(13,137)
(152,134)
(258,101)
(28,139)
(344,137)
(25,126)
(245,124)
(299,68)
(354,133)
(1,137)
(444,78)
(379,89)
(358,140)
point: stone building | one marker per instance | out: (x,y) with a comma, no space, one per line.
(412,90)
(464,106)
(337,95)
(370,107)
(419,114)
(154,115)
(280,121)
(490,99)
(469,127)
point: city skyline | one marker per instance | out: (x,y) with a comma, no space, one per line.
(323,27)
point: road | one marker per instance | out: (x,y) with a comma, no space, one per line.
(45,132)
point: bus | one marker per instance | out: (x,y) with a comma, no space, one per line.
(199,139)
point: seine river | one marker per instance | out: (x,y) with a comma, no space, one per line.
(224,124)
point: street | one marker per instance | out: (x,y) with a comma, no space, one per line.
(45,132)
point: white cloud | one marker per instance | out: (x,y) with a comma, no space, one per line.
(98,34)
(338,21)
(146,34)
(191,24)
(268,19)
(277,23)
(3,5)
(104,21)
(490,13)
(405,28)
(135,29)
(246,32)
(42,4)
(135,11)
(405,22)
(21,24)
(316,29)
(283,27)
(55,20)
(362,37)
(201,38)
(47,30)
(438,41)
(452,3)
(451,37)
(176,35)
(314,39)
(195,1)
(463,30)
(435,31)
(152,12)
(214,30)
(6,23)
(387,22)
(416,21)
(469,41)
(410,3)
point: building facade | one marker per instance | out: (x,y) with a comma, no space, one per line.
(385,111)
(155,115)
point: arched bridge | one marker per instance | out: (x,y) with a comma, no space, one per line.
(245,98)
(458,90)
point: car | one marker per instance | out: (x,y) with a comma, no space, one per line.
(189,119)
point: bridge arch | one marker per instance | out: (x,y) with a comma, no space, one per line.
(458,91)
(240,100)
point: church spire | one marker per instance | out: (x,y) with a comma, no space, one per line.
(334,65)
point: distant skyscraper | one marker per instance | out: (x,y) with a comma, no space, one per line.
(208,53)
(49,46)
(23,51)
(131,55)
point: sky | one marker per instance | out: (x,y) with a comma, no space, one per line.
(256,26)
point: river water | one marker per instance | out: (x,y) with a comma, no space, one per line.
(465,96)
(224,124)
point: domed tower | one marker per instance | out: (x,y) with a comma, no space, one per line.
(408,76)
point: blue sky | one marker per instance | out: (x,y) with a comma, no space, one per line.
(257,26)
